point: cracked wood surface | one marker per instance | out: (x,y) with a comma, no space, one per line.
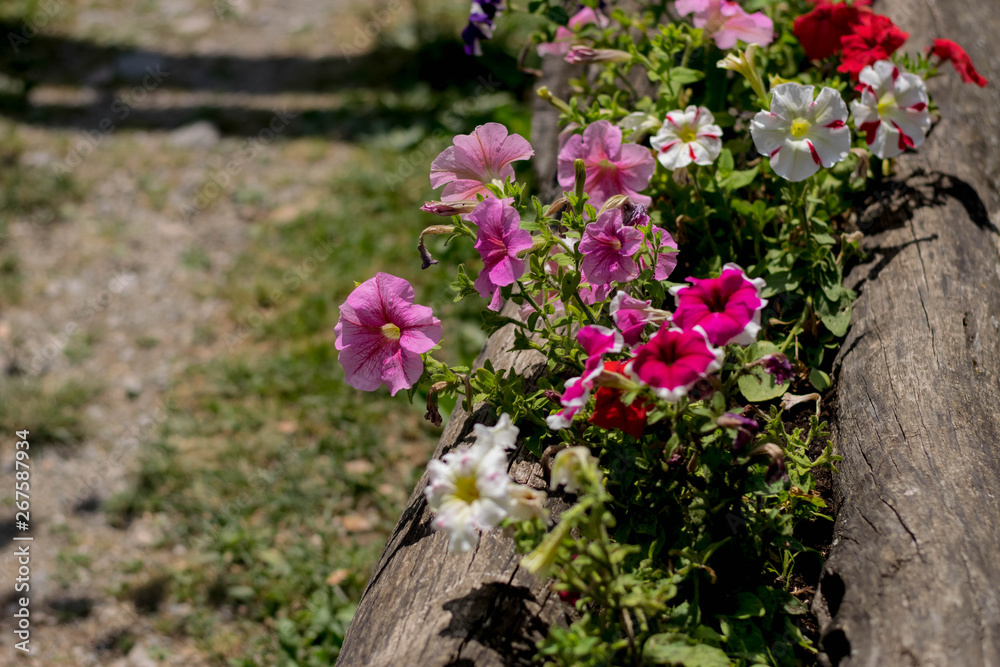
(914,575)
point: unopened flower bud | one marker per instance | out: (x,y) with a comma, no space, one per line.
(580,174)
(544,93)
(449,208)
(572,468)
(745,63)
(585,55)
(557,207)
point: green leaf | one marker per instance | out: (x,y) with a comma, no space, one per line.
(757,386)
(738,179)
(492,321)
(557,15)
(779,283)
(682,76)
(725,163)
(678,649)
(819,379)
(748,605)
(835,315)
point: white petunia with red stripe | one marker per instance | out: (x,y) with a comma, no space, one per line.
(687,136)
(892,111)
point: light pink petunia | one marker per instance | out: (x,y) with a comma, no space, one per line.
(726,22)
(631,316)
(498,240)
(613,168)
(608,246)
(673,361)
(381,334)
(478,159)
(726,308)
(565,35)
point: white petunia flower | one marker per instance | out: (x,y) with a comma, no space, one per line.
(800,134)
(527,503)
(687,136)
(892,111)
(504,434)
(469,490)
(571,468)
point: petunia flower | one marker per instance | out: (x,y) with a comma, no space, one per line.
(821,30)
(947,50)
(572,468)
(527,503)
(726,22)
(874,38)
(892,110)
(608,246)
(631,316)
(611,413)
(673,361)
(688,136)
(481,24)
(726,308)
(499,238)
(573,399)
(745,428)
(613,168)
(597,341)
(503,434)
(777,366)
(666,262)
(381,334)
(468,489)
(478,159)
(565,35)
(801,134)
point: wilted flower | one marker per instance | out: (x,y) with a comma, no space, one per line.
(573,468)
(892,110)
(586,55)
(673,361)
(468,489)
(727,308)
(381,334)
(776,469)
(608,246)
(502,435)
(612,168)
(478,159)
(947,50)
(597,341)
(744,426)
(688,136)
(789,401)
(499,238)
(726,22)
(801,134)
(778,366)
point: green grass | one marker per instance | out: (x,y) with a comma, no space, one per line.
(51,414)
(280,479)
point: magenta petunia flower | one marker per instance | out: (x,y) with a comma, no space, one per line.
(597,341)
(631,316)
(608,246)
(727,308)
(726,22)
(673,361)
(613,168)
(573,400)
(478,159)
(381,334)
(498,240)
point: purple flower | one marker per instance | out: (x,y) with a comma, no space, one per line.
(613,168)
(498,240)
(778,366)
(476,160)
(631,316)
(607,246)
(480,27)
(744,426)
(381,334)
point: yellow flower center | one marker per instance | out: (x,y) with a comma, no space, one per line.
(466,489)
(799,127)
(888,100)
(687,134)
(391,331)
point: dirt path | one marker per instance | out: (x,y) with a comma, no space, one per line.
(118,295)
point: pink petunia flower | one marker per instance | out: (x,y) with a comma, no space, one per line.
(608,246)
(726,308)
(597,341)
(726,22)
(673,361)
(381,334)
(498,240)
(565,35)
(631,316)
(573,400)
(613,168)
(666,262)
(476,160)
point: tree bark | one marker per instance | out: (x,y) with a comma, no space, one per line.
(914,574)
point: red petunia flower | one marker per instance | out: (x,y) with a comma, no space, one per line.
(945,49)
(821,30)
(874,38)
(610,412)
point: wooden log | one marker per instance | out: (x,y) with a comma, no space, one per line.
(914,574)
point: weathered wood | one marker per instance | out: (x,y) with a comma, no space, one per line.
(914,575)
(424,606)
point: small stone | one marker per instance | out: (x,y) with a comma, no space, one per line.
(196,135)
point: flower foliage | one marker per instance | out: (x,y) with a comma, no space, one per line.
(663,413)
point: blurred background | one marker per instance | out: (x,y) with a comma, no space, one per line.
(188,191)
